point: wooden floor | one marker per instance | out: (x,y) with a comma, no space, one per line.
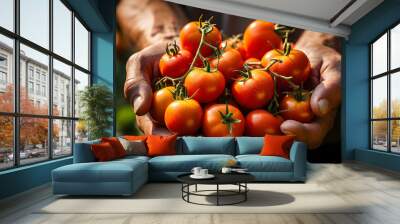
(377,188)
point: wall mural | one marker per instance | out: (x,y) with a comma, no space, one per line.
(191,71)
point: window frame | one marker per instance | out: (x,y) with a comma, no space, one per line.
(388,74)
(16,115)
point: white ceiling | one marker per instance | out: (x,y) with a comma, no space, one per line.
(318,15)
(321,9)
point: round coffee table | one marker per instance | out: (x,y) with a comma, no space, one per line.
(238,179)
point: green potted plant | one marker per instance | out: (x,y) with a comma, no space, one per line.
(96,103)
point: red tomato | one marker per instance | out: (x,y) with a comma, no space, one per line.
(175,65)
(259,38)
(296,65)
(214,125)
(183,117)
(254,92)
(229,63)
(190,37)
(234,43)
(262,122)
(252,60)
(161,99)
(204,86)
(298,110)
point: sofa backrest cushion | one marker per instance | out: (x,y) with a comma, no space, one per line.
(83,152)
(206,145)
(249,145)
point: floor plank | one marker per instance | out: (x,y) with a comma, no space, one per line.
(376,189)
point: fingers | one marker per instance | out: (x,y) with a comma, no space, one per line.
(313,133)
(139,94)
(141,68)
(149,127)
(326,96)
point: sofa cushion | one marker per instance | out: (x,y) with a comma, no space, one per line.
(257,163)
(249,145)
(185,163)
(160,145)
(103,152)
(277,145)
(207,145)
(112,171)
(116,145)
(83,152)
(134,147)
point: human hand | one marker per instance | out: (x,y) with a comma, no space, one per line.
(325,99)
(141,69)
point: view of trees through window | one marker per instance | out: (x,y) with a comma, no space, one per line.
(43,68)
(385,91)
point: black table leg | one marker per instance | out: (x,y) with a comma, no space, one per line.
(217,194)
(245,193)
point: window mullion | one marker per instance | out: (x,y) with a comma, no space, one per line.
(73,82)
(16,84)
(389,106)
(50,81)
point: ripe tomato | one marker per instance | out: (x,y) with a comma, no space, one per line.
(296,109)
(229,62)
(161,99)
(204,86)
(190,37)
(183,117)
(252,60)
(215,125)
(296,64)
(175,65)
(234,43)
(262,122)
(259,38)
(255,91)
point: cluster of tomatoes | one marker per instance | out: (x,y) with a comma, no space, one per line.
(231,87)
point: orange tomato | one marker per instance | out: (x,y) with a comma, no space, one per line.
(234,43)
(296,109)
(295,65)
(259,38)
(161,99)
(204,86)
(262,122)
(214,125)
(175,65)
(254,92)
(183,117)
(190,37)
(229,63)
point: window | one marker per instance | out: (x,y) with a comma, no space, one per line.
(7,14)
(30,72)
(3,72)
(38,89)
(6,74)
(3,78)
(384,91)
(81,45)
(34,22)
(30,87)
(44,91)
(41,123)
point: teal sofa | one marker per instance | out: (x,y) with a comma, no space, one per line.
(125,176)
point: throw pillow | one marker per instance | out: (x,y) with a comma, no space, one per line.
(161,145)
(277,145)
(135,137)
(117,146)
(137,147)
(103,151)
